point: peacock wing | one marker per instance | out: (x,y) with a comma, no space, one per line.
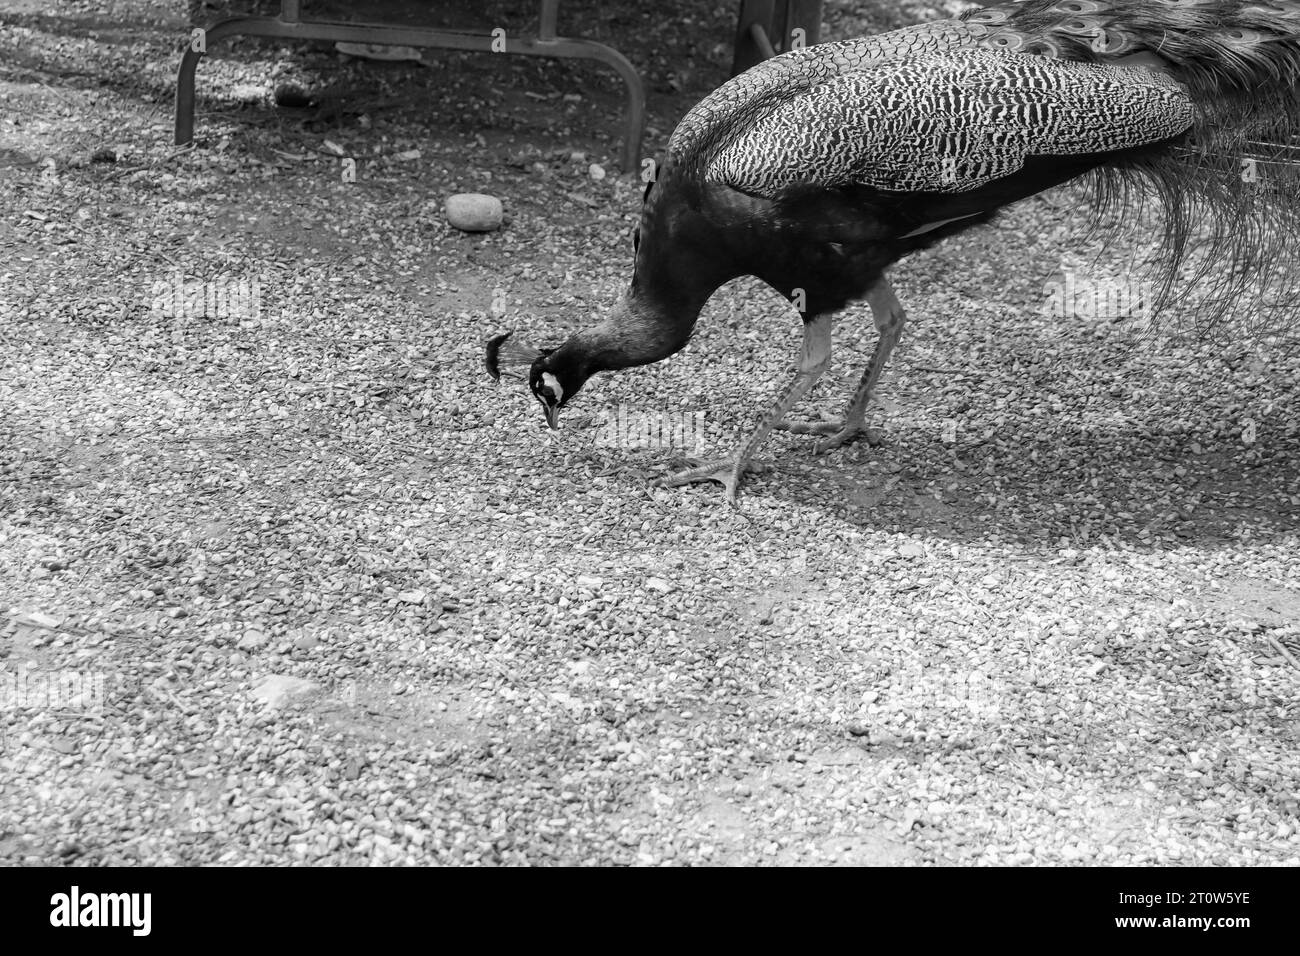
(758,89)
(947,122)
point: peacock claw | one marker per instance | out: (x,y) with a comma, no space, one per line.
(837,433)
(847,436)
(727,471)
(826,426)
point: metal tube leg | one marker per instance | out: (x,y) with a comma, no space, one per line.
(550,14)
(634,131)
(634,126)
(185,97)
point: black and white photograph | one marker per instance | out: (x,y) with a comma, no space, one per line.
(619,434)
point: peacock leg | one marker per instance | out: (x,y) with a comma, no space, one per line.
(814,358)
(889,318)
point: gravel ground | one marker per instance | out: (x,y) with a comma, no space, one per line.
(310,588)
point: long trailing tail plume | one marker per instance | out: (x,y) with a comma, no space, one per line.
(1230,192)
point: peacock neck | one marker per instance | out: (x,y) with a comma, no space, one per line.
(681,260)
(639,330)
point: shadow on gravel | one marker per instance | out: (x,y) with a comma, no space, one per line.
(1216,499)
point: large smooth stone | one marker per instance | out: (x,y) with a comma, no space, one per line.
(474,212)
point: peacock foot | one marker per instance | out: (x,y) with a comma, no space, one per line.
(727,471)
(837,432)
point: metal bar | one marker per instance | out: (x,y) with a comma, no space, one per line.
(550,13)
(759,35)
(184,127)
(393,35)
(747,52)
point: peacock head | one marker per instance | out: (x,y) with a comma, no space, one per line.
(553,376)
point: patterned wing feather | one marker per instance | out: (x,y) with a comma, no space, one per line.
(949,122)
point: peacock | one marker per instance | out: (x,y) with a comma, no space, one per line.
(818,169)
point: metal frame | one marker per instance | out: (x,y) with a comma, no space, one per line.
(288,25)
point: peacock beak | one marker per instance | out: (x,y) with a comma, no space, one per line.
(553,416)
